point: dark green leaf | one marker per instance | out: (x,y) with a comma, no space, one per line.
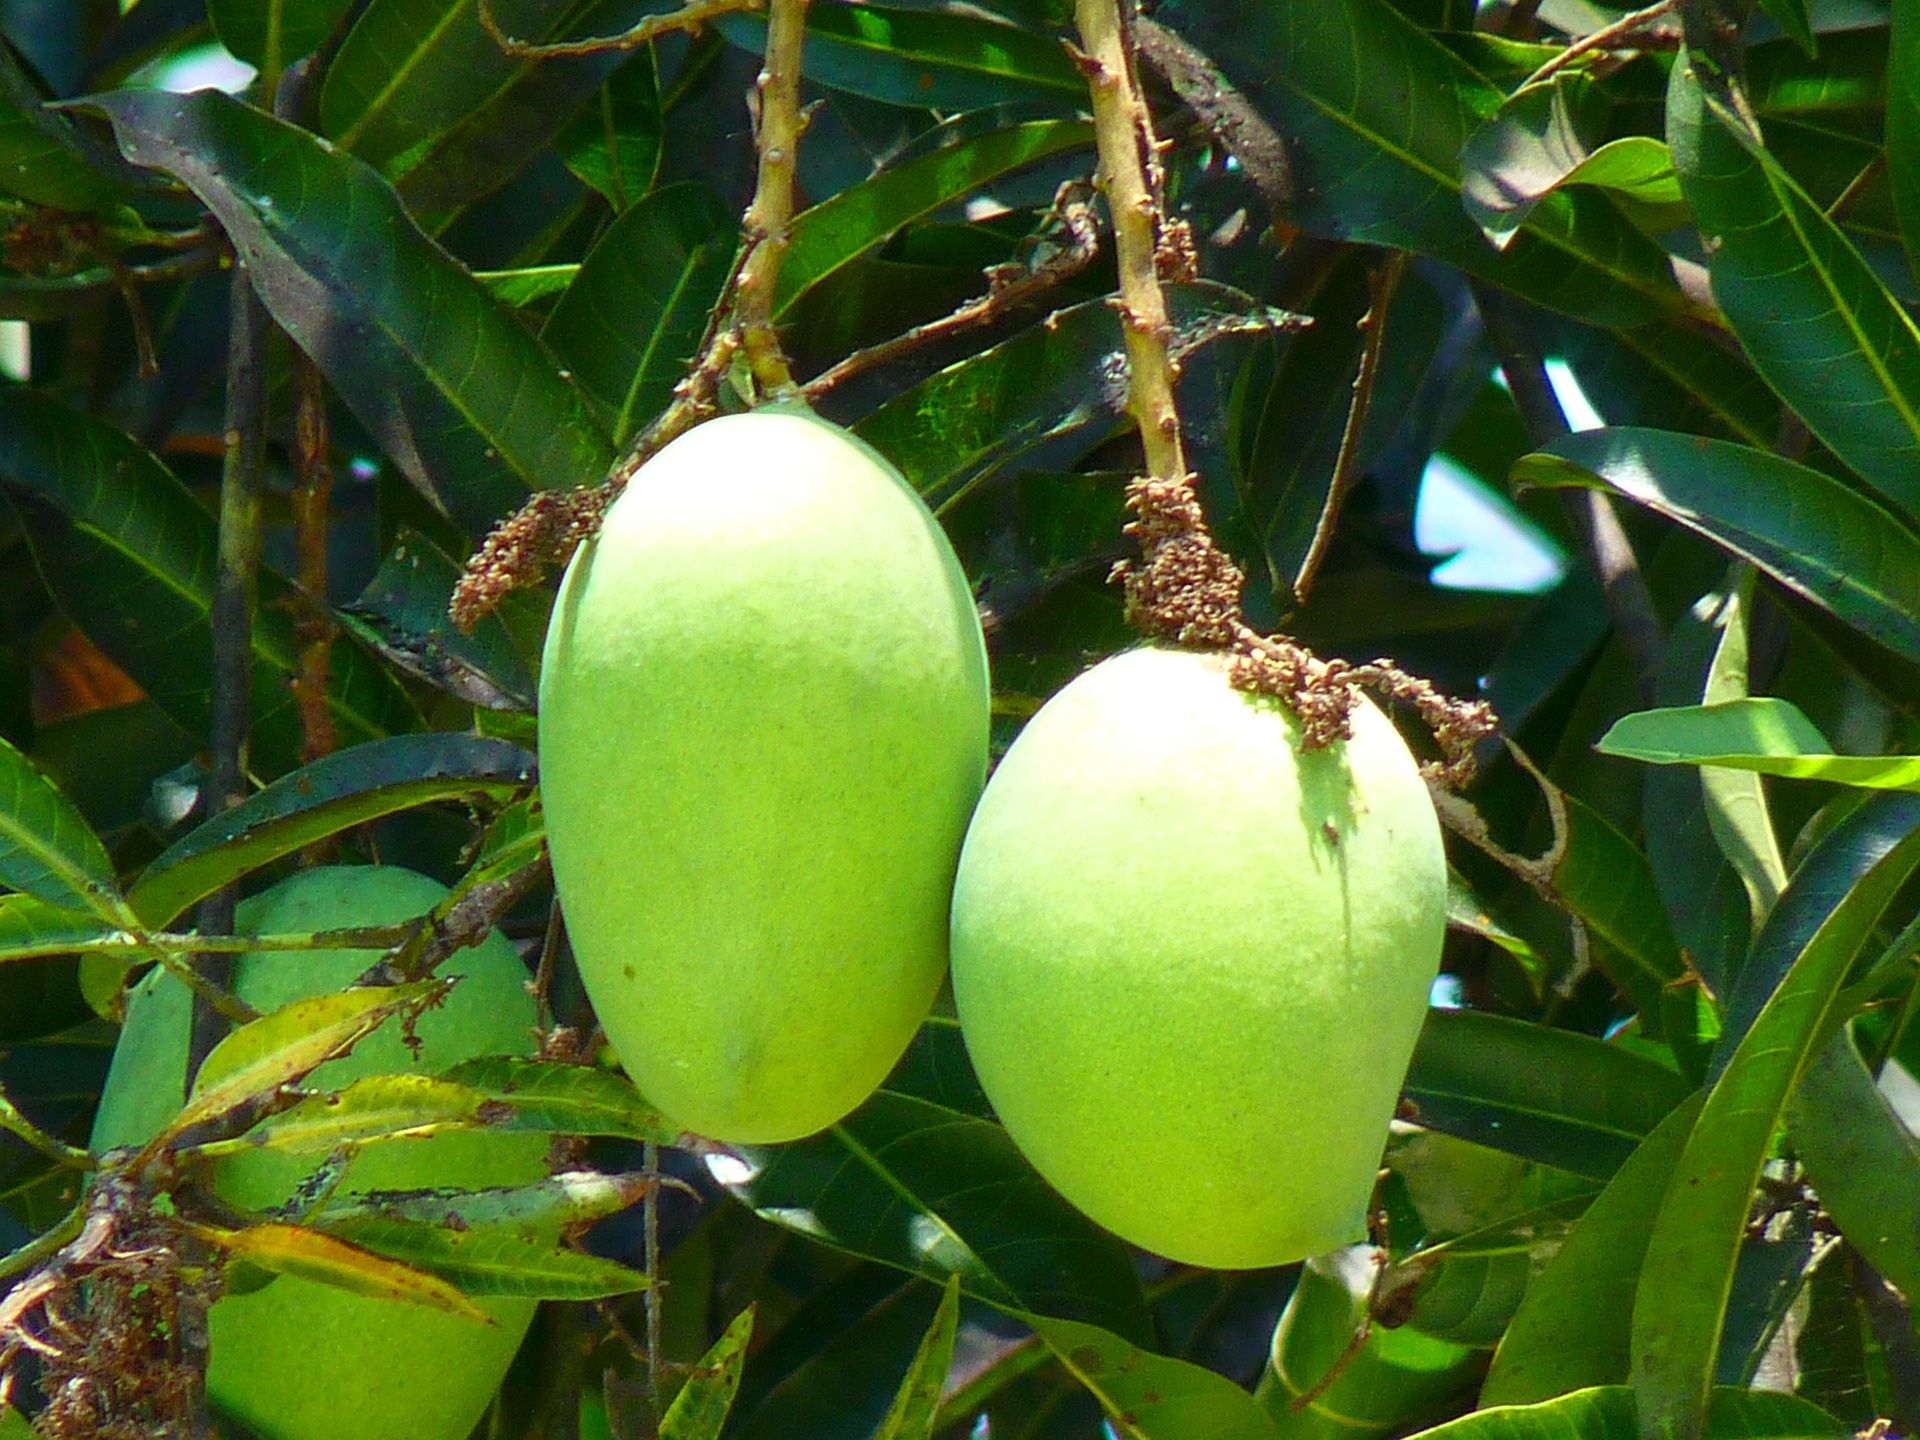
(949,165)
(614,144)
(42,156)
(473,409)
(1376,113)
(271,34)
(631,321)
(1815,536)
(947,60)
(1695,1241)
(567,1099)
(1813,317)
(1901,71)
(47,849)
(345,789)
(1152,1397)
(130,555)
(1862,1160)
(1550,1095)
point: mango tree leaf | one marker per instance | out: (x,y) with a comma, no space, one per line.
(699,1411)
(1376,112)
(1862,1160)
(1666,376)
(1466,1289)
(1900,68)
(1574,1328)
(614,144)
(630,323)
(917,1403)
(129,554)
(948,165)
(43,158)
(334,793)
(1813,317)
(1148,1396)
(946,61)
(565,1099)
(472,409)
(1608,1413)
(47,849)
(492,1262)
(1819,539)
(30,928)
(328,1260)
(918,1182)
(372,1109)
(285,1046)
(271,34)
(1562,1098)
(1695,1241)
(570,1198)
(1762,734)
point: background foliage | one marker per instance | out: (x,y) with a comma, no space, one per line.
(1662,1145)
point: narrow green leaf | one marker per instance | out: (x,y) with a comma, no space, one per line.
(1148,1396)
(43,157)
(565,1099)
(30,928)
(1813,317)
(699,1411)
(1819,539)
(615,143)
(1761,734)
(631,321)
(946,61)
(1565,1099)
(372,1109)
(493,1262)
(335,793)
(327,1260)
(473,409)
(1608,1413)
(1574,1328)
(1695,1241)
(1862,1160)
(948,165)
(917,1403)
(1901,71)
(47,849)
(272,34)
(1736,802)
(1792,16)
(285,1046)
(573,1197)
(129,554)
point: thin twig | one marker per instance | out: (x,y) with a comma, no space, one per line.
(1009,286)
(1607,37)
(236,588)
(1591,514)
(1381,285)
(58,1151)
(656,1319)
(313,628)
(690,16)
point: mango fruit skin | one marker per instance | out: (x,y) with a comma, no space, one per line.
(297,1360)
(763,724)
(1191,961)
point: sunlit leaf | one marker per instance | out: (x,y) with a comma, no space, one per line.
(328,1260)
(1762,734)
(47,849)
(700,1409)
(492,1262)
(566,1099)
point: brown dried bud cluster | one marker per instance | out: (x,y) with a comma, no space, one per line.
(539,536)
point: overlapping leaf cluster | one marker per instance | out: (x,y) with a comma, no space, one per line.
(1662,1150)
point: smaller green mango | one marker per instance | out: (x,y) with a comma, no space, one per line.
(1191,960)
(297,1360)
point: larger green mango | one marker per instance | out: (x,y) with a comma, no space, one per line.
(1191,960)
(763,724)
(297,1360)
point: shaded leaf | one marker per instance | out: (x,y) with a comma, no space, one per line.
(1695,1241)
(47,849)
(1562,1098)
(493,1262)
(328,1260)
(565,1099)
(1813,317)
(31,928)
(700,1409)
(1148,1396)
(335,793)
(917,1405)
(630,323)
(283,1047)
(42,157)
(1862,1160)
(471,408)
(1813,535)
(271,34)
(130,556)
(614,144)
(1900,71)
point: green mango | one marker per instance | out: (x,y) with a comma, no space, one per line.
(297,1360)
(1191,960)
(763,724)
